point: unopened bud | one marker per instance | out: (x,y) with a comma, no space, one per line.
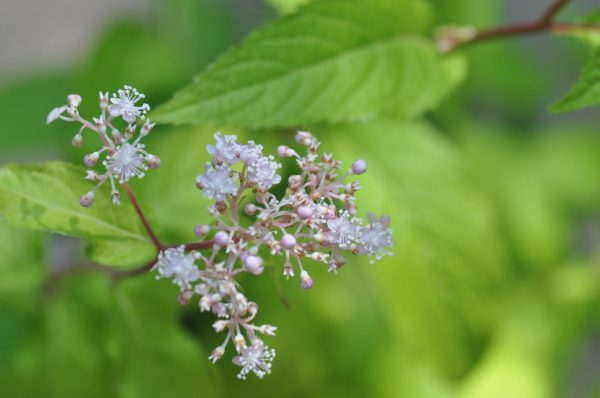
(359,166)
(91,159)
(304,138)
(221,238)
(77,140)
(220,325)
(184,297)
(201,229)
(305,212)
(288,242)
(306,281)
(253,264)
(87,199)
(250,209)
(153,161)
(285,151)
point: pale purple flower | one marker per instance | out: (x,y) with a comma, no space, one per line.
(250,152)
(217,182)
(226,150)
(124,104)
(256,358)
(375,237)
(127,162)
(181,267)
(263,172)
(344,230)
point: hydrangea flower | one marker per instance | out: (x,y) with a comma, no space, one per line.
(181,267)
(344,230)
(375,237)
(124,160)
(124,105)
(256,358)
(226,149)
(217,182)
(263,172)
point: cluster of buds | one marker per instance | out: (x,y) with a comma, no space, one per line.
(123,159)
(314,221)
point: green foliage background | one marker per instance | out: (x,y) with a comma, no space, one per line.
(494,288)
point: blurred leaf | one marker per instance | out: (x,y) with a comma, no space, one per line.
(24,127)
(46,197)
(448,263)
(287,6)
(131,53)
(331,61)
(586,90)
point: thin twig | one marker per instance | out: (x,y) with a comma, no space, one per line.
(544,24)
(159,246)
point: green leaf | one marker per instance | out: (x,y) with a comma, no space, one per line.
(286,6)
(331,61)
(448,261)
(46,197)
(586,90)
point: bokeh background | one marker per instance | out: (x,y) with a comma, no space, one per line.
(494,290)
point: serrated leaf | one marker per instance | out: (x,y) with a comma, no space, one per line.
(586,90)
(331,61)
(46,197)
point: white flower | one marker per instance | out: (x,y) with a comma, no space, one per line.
(226,150)
(126,162)
(55,114)
(175,264)
(263,172)
(375,237)
(250,152)
(344,230)
(256,358)
(124,104)
(217,182)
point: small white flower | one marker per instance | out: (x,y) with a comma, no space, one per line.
(124,104)
(55,113)
(375,237)
(256,358)
(344,230)
(251,152)
(126,162)
(226,150)
(217,182)
(175,264)
(263,172)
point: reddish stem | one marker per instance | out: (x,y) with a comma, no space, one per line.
(545,23)
(159,246)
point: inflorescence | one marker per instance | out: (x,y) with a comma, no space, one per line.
(314,221)
(124,159)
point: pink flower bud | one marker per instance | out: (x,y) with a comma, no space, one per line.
(288,242)
(221,238)
(305,212)
(201,229)
(153,161)
(91,159)
(253,264)
(87,199)
(285,152)
(250,209)
(359,166)
(77,140)
(306,281)
(304,138)
(330,213)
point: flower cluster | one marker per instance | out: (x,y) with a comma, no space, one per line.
(314,221)
(124,159)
